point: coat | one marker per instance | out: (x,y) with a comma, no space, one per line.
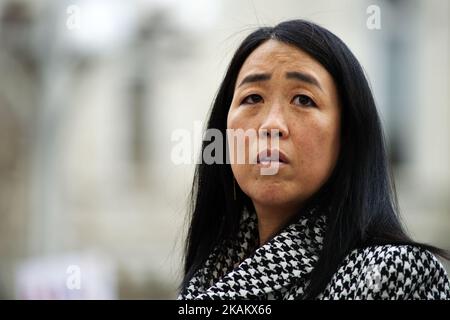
(280,268)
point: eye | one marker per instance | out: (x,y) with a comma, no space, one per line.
(304,100)
(252,99)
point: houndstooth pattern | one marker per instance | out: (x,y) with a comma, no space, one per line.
(389,272)
(280,269)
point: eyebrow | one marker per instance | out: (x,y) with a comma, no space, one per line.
(301,76)
(304,77)
(256,77)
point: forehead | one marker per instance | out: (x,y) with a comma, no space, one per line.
(273,56)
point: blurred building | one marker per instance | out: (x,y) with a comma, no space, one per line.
(91,91)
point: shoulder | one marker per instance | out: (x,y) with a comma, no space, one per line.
(399,258)
(390,272)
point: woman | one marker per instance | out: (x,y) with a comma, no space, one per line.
(325,225)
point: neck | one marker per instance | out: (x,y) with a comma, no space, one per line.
(271,219)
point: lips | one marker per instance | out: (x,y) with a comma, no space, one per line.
(268,156)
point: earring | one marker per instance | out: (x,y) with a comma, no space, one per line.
(234,189)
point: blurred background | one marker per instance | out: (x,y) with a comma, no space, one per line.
(91,205)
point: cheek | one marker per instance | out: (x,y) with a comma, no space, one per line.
(241,137)
(317,145)
(240,119)
(235,121)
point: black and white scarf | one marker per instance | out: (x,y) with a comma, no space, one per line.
(280,269)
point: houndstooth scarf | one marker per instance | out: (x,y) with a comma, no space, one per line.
(280,269)
(276,270)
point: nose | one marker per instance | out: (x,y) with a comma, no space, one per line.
(275,123)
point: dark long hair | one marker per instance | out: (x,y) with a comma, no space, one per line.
(359,195)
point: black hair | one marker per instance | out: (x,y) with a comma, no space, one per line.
(359,195)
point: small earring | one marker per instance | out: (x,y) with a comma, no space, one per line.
(234,189)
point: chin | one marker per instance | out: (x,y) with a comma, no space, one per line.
(272,194)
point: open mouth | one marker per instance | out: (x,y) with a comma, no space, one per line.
(267,157)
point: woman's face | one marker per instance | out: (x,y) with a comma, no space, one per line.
(281,87)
